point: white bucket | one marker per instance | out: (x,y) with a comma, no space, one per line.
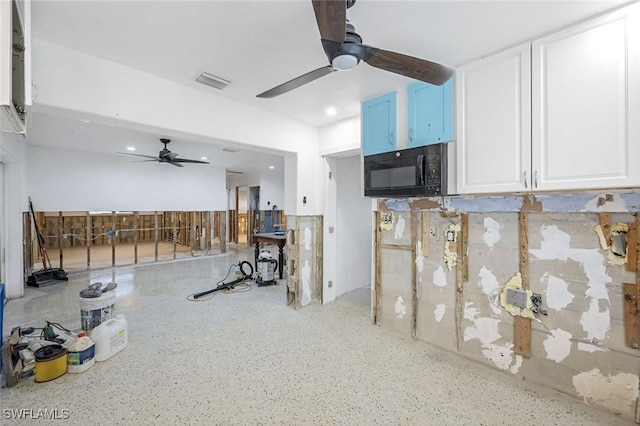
(96,310)
(110,337)
(80,355)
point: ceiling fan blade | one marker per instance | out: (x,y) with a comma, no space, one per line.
(331,16)
(169,156)
(186,160)
(297,82)
(139,155)
(398,63)
(173,163)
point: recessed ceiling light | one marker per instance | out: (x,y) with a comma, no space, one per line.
(203,158)
(331,111)
(271,167)
(131,148)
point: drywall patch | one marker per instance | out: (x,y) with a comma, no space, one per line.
(531,204)
(490,286)
(492,232)
(556,245)
(401,308)
(516,283)
(439,311)
(588,347)
(440,277)
(399,228)
(307,238)
(486,330)
(306,284)
(558,345)
(425,204)
(596,322)
(419,258)
(616,392)
(558,294)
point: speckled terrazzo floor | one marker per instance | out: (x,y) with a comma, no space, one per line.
(249,359)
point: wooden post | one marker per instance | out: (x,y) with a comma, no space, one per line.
(460,277)
(426,235)
(89,239)
(113,238)
(522,324)
(378,273)
(223,232)
(207,232)
(155,229)
(60,238)
(174,224)
(464,223)
(414,274)
(136,218)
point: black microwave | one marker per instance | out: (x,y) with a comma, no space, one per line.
(412,172)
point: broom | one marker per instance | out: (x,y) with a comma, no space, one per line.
(47,275)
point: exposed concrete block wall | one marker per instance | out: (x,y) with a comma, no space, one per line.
(578,348)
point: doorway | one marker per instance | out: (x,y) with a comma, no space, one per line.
(242,209)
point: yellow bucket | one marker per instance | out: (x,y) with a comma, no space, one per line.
(51,363)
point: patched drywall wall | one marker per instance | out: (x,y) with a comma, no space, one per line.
(578,347)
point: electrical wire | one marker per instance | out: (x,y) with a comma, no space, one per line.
(240,287)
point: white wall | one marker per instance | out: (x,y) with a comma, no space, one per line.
(272,189)
(73,180)
(70,81)
(13,151)
(353,228)
(343,136)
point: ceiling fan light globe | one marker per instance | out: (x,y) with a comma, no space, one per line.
(344,62)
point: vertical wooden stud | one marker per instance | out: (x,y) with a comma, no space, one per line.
(223,232)
(113,238)
(60,238)
(605,225)
(426,225)
(136,218)
(463,254)
(378,273)
(207,231)
(464,223)
(89,231)
(632,241)
(155,231)
(523,325)
(414,275)
(174,227)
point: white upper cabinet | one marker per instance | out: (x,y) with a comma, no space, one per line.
(586,105)
(15,64)
(560,113)
(494,123)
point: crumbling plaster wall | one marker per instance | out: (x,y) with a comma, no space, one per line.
(578,348)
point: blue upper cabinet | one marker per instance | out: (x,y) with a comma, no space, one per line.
(430,113)
(379,124)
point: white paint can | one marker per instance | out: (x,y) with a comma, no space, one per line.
(96,310)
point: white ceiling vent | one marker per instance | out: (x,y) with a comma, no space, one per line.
(212,80)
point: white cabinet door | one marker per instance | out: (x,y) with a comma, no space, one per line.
(586,105)
(494,123)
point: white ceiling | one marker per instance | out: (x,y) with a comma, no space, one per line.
(257,45)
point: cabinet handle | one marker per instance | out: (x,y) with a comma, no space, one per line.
(410,135)
(525,180)
(391,138)
(535,179)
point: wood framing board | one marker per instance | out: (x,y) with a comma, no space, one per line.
(136,218)
(60,239)
(522,338)
(223,231)
(632,243)
(155,238)
(89,239)
(460,279)
(297,304)
(113,238)
(397,246)
(605,225)
(378,273)
(207,232)
(464,248)
(174,229)
(414,275)
(319,260)
(426,225)
(631,315)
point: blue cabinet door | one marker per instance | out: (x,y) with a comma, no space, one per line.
(379,124)
(430,113)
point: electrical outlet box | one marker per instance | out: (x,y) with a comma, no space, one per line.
(517,298)
(387,218)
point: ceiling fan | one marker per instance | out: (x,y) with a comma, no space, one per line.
(344,49)
(166,156)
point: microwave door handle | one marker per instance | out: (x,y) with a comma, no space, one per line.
(420,170)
